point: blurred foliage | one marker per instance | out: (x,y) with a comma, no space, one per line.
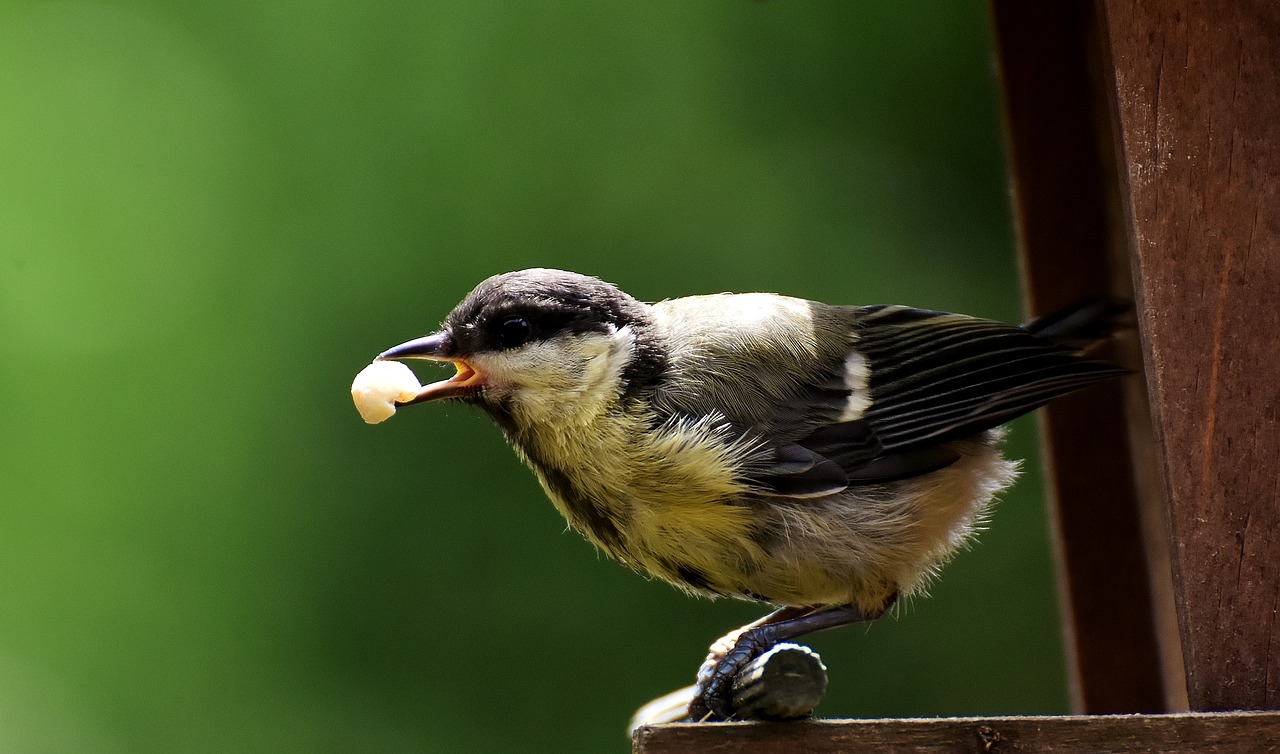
(213,213)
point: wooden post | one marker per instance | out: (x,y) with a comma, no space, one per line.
(1144,137)
(1197,96)
(1115,586)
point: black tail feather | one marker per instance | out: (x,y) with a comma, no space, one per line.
(1082,324)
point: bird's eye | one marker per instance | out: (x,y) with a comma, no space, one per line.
(514,331)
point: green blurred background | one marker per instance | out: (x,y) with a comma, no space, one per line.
(212,214)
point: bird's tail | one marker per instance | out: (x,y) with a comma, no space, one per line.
(1081,325)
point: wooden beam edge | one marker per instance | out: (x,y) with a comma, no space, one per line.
(1120,734)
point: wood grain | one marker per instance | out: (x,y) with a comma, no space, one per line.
(1197,94)
(1239,733)
(1115,585)
(785,683)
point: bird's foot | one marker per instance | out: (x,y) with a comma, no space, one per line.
(713,691)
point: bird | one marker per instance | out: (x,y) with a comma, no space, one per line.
(825,460)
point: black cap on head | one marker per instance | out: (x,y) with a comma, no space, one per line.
(514,308)
(547,302)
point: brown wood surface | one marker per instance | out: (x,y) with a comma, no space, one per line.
(1197,94)
(785,683)
(1115,587)
(1243,733)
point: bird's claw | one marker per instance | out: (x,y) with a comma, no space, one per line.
(713,691)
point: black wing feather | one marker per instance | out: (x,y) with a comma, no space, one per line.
(792,470)
(937,377)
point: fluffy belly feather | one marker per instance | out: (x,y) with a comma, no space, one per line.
(689,521)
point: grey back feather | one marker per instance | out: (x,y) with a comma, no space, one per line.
(775,369)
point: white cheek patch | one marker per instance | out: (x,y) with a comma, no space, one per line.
(561,380)
(607,357)
(857,376)
(535,366)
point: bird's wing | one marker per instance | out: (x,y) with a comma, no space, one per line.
(836,457)
(792,469)
(937,377)
(877,394)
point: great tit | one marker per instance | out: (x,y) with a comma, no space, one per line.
(822,459)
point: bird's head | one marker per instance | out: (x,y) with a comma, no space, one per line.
(540,346)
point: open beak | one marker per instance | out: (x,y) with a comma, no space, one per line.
(438,347)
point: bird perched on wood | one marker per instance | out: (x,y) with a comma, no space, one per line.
(822,459)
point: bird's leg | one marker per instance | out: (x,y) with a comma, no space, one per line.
(732,652)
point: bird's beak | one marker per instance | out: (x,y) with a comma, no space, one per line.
(438,347)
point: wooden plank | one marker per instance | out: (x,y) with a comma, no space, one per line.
(1198,101)
(1224,733)
(1114,575)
